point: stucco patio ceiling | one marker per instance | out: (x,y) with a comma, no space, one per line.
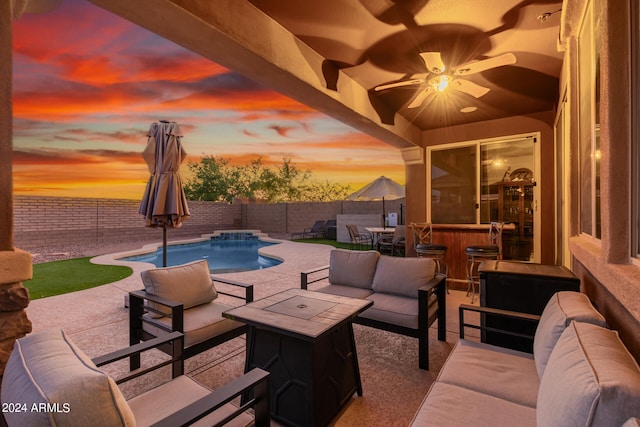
(332,54)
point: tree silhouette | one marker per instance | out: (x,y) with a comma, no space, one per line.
(216,179)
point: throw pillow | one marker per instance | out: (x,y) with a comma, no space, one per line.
(189,284)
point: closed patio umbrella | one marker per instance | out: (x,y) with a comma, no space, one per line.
(379,189)
(164,203)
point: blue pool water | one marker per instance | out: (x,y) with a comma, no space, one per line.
(224,254)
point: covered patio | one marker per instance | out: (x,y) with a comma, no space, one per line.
(582,107)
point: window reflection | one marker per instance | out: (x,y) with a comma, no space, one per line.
(453,186)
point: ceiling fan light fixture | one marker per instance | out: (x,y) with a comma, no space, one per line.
(440,83)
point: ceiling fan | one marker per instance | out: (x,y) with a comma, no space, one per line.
(440,78)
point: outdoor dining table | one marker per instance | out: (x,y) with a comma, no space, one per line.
(305,340)
(378,232)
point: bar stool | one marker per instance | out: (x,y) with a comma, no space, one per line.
(425,248)
(477,254)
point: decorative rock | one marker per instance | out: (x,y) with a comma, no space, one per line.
(13,325)
(14,298)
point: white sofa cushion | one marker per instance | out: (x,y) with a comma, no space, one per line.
(448,405)
(508,374)
(590,380)
(402,276)
(200,323)
(46,368)
(563,308)
(345,291)
(189,284)
(166,399)
(394,309)
(352,268)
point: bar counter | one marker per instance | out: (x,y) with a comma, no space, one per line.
(457,237)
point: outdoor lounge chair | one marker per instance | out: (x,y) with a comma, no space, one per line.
(315,232)
(183,298)
(52,382)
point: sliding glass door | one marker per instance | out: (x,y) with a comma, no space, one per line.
(478,182)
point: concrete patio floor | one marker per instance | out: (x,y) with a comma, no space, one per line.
(97,321)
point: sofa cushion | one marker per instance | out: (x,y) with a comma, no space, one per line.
(189,284)
(46,368)
(352,268)
(345,291)
(402,276)
(450,405)
(500,372)
(560,311)
(200,323)
(393,309)
(174,395)
(590,380)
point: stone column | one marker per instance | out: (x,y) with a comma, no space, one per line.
(15,268)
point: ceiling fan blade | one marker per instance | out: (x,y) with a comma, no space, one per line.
(471,88)
(433,61)
(420,97)
(486,64)
(398,84)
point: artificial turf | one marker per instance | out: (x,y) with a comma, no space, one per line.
(324,242)
(61,277)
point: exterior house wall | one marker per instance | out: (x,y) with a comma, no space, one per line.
(608,269)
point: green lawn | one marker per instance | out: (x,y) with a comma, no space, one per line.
(325,242)
(61,277)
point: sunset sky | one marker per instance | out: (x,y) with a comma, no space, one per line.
(87,85)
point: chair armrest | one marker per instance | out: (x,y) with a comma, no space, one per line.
(438,286)
(255,380)
(114,356)
(137,308)
(248,289)
(175,338)
(304,276)
(438,279)
(534,318)
(155,298)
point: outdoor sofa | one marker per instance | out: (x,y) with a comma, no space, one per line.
(407,294)
(580,374)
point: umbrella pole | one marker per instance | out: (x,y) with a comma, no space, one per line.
(384,224)
(164,246)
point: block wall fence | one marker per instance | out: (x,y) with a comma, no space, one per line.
(39,221)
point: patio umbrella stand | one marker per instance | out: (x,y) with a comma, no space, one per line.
(164,203)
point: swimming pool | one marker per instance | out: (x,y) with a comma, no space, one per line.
(224,253)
